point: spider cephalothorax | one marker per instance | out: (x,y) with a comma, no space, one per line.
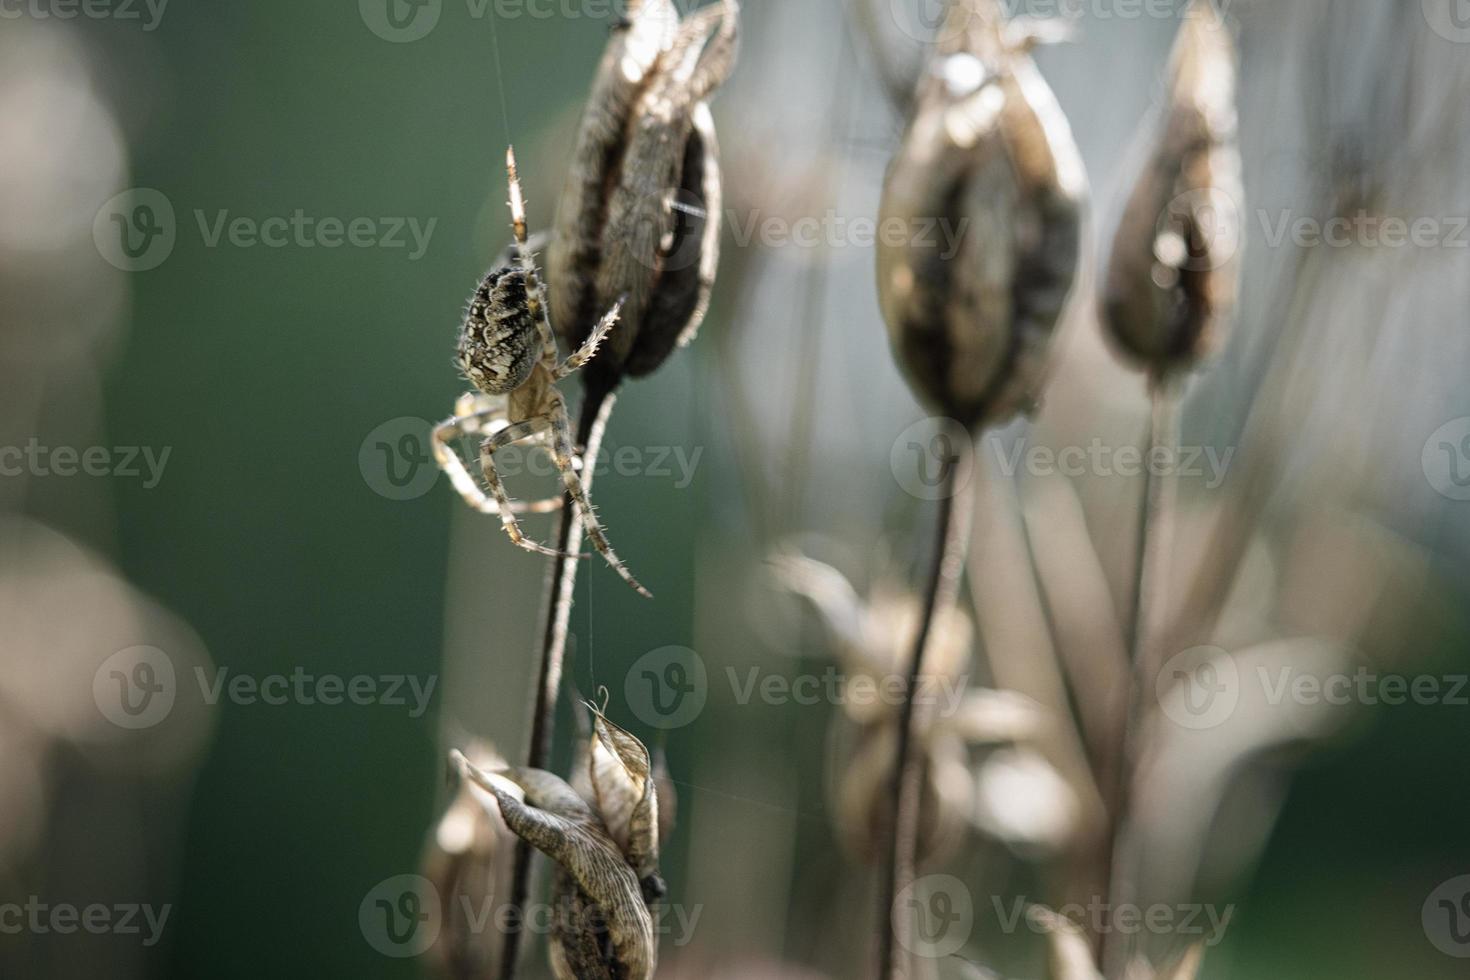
(499,343)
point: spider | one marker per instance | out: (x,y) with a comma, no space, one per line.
(508,352)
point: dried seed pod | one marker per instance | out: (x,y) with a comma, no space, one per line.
(1174,271)
(989,158)
(603,836)
(639,218)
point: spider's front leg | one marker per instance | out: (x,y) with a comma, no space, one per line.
(446,434)
(564,453)
(589,348)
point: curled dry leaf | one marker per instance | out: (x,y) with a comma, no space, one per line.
(1173,275)
(639,217)
(1070,954)
(605,847)
(989,154)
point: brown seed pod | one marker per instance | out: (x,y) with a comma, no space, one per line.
(639,218)
(988,159)
(1173,275)
(602,833)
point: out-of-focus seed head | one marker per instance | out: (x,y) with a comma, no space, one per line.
(639,218)
(1173,275)
(988,160)
(468,862)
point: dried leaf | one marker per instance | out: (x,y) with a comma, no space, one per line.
(548,814)
(625,794)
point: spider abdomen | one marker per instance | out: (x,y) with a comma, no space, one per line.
(499,343)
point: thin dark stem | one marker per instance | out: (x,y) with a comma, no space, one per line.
(597,404)
(1155,537)
(940,589)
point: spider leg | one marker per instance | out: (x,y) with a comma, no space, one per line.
(505,437)
(535,289)
(564,453)
(599,334)
(450,431)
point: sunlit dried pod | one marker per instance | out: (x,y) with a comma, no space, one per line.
(1173,274)
(639,217)
(604,841)
(987,159)
(468,860)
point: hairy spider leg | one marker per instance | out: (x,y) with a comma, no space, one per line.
(448,432)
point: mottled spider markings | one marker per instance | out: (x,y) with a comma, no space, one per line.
(499,343)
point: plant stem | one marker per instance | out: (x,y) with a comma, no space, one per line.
(1155,539)
(597,405)
(940,589)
